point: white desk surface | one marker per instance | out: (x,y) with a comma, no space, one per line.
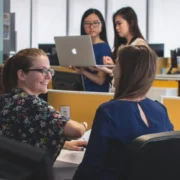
(80,92)
(69,158)
(170,77)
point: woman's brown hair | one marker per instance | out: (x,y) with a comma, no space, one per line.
(22,60)
(130,16)
(137,66)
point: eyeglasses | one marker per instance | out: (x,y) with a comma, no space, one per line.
(43,71)
(94,24)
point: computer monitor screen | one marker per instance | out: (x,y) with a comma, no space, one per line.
(173,58)
(68,81)
(158,48)
(20,161)
(50,50)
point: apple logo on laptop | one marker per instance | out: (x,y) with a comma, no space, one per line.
(74,51)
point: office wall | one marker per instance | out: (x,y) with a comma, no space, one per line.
(21,8)
(49,20)
(164,26)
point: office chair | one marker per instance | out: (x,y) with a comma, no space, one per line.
(153,157)
(0,79)
(20,161)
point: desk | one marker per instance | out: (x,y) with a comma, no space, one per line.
(66,164)
(170,77)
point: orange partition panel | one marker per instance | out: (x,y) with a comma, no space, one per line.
(173,108)
(164,83)
(82,105)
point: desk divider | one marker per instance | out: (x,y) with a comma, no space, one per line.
(173,107)
(83,105)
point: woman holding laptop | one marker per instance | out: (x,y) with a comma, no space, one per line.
(93,24)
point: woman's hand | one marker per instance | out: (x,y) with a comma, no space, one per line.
(75,145)
(92,68)
(78,69)
(75,129)
(106,70)
(107,60)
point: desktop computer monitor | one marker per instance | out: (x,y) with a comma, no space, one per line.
(158,48)
(173,58)
(68,81)
(174,64)
(50,50)
(20,161)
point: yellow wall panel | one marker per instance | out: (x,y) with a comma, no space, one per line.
(82,106)
(173,108)
(164,83)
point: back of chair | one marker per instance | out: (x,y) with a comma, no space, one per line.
(154,157)
(0,79)
(20,161)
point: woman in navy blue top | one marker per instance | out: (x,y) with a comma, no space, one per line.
(129,115)
(93,24)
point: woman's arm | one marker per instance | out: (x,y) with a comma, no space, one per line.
(74,129)
(78,145)
(106,70)
(94,165)
(98,78)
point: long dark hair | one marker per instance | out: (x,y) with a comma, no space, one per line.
(137,67)
(130,16)
(22,60)
(102,34)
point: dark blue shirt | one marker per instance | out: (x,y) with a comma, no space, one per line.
(116,124)
(100,50)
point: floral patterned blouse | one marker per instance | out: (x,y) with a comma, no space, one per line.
(31,120)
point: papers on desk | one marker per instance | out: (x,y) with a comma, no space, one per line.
(86,135)
(73,157)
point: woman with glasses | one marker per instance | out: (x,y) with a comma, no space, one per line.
(23,115)
(93,24)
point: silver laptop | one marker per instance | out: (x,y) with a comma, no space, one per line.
(75,51)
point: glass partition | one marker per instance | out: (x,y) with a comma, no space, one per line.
(21,11)
(49,20)
(46,19)
(164,26)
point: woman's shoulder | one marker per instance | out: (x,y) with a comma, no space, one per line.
(19,96)
(102,44)
(157,104)
(115,104)
(102,49)
(139,41)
